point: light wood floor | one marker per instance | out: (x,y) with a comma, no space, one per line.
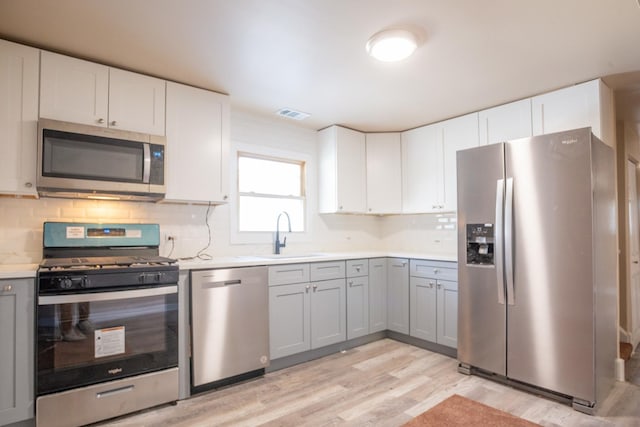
(385,383)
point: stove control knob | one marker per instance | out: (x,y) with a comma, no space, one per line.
(65,283)
(141,278)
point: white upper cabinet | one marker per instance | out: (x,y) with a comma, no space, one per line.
(197,145)
(384,173)
(73,90)
(457,134)
(18,118)
(79,91)
(588,104)
(429,163)
(136,102)
(505,122)
(342,171)
(422,169)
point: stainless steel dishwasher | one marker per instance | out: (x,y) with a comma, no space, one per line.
(229,325)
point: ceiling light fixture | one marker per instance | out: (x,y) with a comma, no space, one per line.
(392,45)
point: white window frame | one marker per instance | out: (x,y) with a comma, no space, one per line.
(260,237)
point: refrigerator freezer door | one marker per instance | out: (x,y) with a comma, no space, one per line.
(481,308)
(550,325)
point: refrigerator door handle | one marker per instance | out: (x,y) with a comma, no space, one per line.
(508,240)
(499,250)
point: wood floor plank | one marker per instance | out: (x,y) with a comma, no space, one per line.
(384,383)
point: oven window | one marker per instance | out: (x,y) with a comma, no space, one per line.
(69,155)
(81,343)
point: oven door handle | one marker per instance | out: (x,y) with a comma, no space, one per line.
(106,296)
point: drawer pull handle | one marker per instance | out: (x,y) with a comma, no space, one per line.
(114,391)
(222,284)
(7,288)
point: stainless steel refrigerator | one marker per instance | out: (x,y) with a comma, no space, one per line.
(537,258)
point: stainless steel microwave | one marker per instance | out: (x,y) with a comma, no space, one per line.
(81,161)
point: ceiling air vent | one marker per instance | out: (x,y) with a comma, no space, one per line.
(292,114)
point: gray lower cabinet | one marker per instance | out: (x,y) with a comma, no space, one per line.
(398,295)
(306,315)
(328,312)
(357,298)
(377,294)
(16,350)
(289,319)
(434,301)
(447,308)
(423,308)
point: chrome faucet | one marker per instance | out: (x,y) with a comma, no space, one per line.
(279,245)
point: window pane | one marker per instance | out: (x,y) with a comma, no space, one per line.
(269,177)
(261,213)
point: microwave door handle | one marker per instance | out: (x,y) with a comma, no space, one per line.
(146,167)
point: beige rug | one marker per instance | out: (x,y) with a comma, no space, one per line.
(460,411)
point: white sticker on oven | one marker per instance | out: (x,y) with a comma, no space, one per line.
(75,232)
(109,341)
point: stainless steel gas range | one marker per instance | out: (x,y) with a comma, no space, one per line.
(106,323)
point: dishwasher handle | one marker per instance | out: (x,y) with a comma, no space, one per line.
(221,284)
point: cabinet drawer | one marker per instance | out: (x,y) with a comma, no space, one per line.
(433,269)
(327,270)
(357,267)
(289,273)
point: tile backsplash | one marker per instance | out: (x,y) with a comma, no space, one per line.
(22,219)
(21,229)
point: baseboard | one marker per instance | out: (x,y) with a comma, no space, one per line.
(620,370)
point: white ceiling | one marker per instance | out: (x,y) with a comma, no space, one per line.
(309,55)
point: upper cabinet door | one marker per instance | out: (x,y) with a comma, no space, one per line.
(458,134)
(73,90)
(569,108)
(78,91)
(18,117)
(505,122)
(197,145)
(136,102)
(422,168)
(342,171)
(384,173)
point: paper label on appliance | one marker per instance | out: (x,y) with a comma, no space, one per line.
(75,232)
(136,234)
(109,341)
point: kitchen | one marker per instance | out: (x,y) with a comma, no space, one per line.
(426,234)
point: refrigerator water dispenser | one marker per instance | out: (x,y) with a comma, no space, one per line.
(480,241)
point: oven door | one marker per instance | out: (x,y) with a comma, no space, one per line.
(88,338)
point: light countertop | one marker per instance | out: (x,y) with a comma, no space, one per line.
(250,260)
(16,271)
